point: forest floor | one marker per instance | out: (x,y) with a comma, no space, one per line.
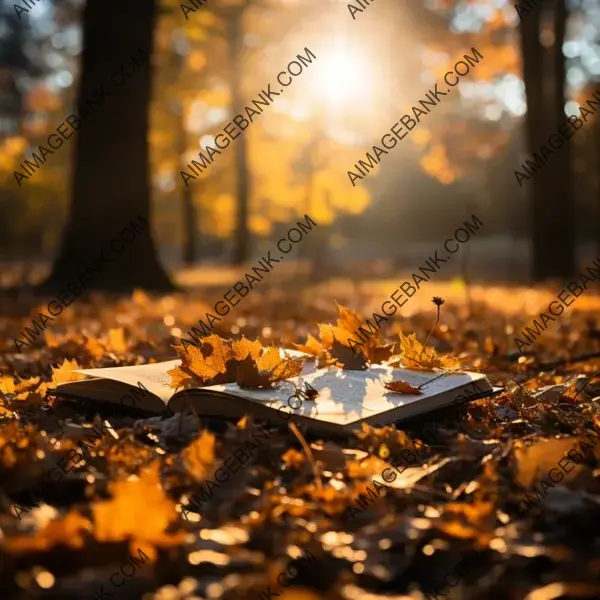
(453,526)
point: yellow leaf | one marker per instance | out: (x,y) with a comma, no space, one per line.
(199,456)
(139,509)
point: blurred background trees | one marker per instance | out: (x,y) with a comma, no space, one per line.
(294,158)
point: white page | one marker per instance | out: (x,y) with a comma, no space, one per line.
(156,376)
(344,396)
(348,396)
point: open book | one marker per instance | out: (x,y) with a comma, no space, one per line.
(344,400)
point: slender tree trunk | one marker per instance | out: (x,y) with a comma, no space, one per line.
(111,176)
(235,42)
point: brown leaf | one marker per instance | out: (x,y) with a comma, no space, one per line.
(249,377)
(289,367)
(402,387)
(345,358)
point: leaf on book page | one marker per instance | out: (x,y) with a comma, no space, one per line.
(244,347)
(244,362)
(348,319)
(414,357)
(312,346)
(268,359)
(249,377)
(269,369)
(335,339)
(402,387)
(346,358)
(289,367)
(379,354)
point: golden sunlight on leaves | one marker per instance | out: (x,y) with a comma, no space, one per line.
(7,384)
(535,461)
(139,509)
(199,456)
(476,521)
(70,530)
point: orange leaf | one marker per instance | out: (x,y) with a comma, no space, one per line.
(199,456)
(243,348)
(120,518)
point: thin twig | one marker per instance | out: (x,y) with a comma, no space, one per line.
(441,375)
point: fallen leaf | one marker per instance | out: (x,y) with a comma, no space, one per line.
(402,387)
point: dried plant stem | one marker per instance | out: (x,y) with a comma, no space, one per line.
(309,455)
(432,330)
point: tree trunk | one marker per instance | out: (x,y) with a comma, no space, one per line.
(235,42)
(188,212)
(535,126)
(111,176)
(560,208)
(189,227)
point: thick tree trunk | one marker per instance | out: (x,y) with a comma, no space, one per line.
(560,209)
(536,126)
(235,42)
(111,176)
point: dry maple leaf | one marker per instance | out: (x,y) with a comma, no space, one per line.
(267,371)
(417,358)
(208,365)
(244,347)
(336,339)
(312,346)
(249,377)
(65,372)
(245,362)
(139,509)
(402,387)
(346,358)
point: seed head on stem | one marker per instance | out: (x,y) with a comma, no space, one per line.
(438,302)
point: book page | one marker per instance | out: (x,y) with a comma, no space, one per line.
(348,396)
(154,376)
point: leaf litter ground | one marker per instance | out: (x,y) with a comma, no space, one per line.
(455,524)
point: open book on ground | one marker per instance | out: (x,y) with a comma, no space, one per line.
(344,398)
